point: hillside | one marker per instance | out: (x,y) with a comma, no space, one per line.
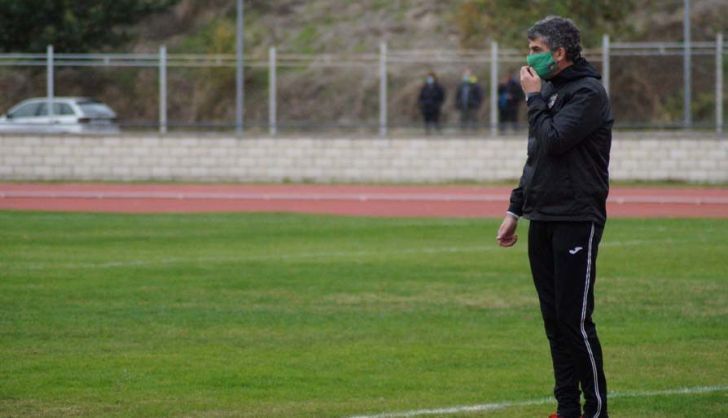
(309,97)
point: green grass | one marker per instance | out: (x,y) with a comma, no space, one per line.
(290,316)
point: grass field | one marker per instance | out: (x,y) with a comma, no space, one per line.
(308,316)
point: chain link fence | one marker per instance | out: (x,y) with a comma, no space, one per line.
(360,92)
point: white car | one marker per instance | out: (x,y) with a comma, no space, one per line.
(70,115)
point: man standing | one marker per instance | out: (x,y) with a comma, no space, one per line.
(430,100)
(468,99)
(563,192)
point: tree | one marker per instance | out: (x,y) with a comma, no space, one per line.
(71,25)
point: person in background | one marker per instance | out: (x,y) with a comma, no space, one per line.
(510,95)
(430,101)
(468,100)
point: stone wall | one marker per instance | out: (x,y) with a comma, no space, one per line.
(635,156)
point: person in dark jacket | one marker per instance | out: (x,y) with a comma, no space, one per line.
(430,101)
(563,192)
(468,99)
(510,96)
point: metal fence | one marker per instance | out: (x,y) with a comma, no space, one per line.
(391,65)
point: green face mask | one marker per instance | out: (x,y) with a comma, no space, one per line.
(543,63)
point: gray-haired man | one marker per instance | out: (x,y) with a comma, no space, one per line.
(563,192)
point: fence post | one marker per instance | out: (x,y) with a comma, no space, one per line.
(383,89)
(50,87)
(687,68)
(605,62)
(719,83)
(493,88)
(272,105)
(239,69)
(162,89)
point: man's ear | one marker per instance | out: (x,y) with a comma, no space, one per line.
(560,54)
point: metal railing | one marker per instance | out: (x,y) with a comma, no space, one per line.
(386,58)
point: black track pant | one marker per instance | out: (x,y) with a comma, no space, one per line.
(563,263)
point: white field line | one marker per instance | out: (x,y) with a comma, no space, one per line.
(293,256)
(330,196)
(508,404)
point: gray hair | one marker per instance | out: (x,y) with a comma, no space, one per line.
(558,32)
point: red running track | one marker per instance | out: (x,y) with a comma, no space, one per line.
(398,201)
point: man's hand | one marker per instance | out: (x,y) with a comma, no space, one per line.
(530,81)
(507,232)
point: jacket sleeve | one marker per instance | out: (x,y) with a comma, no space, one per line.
(515,206)
(561,131)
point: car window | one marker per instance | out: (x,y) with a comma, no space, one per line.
(59,109)
(63,109)
(25,111)
(96,109)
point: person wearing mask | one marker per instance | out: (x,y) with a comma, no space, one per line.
(468,100)
(430,101)
(563,193)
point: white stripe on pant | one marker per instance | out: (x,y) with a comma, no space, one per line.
(583,317)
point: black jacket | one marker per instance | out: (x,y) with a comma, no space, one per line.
(431,97)
(566,176)
(510,95)
(474,96)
